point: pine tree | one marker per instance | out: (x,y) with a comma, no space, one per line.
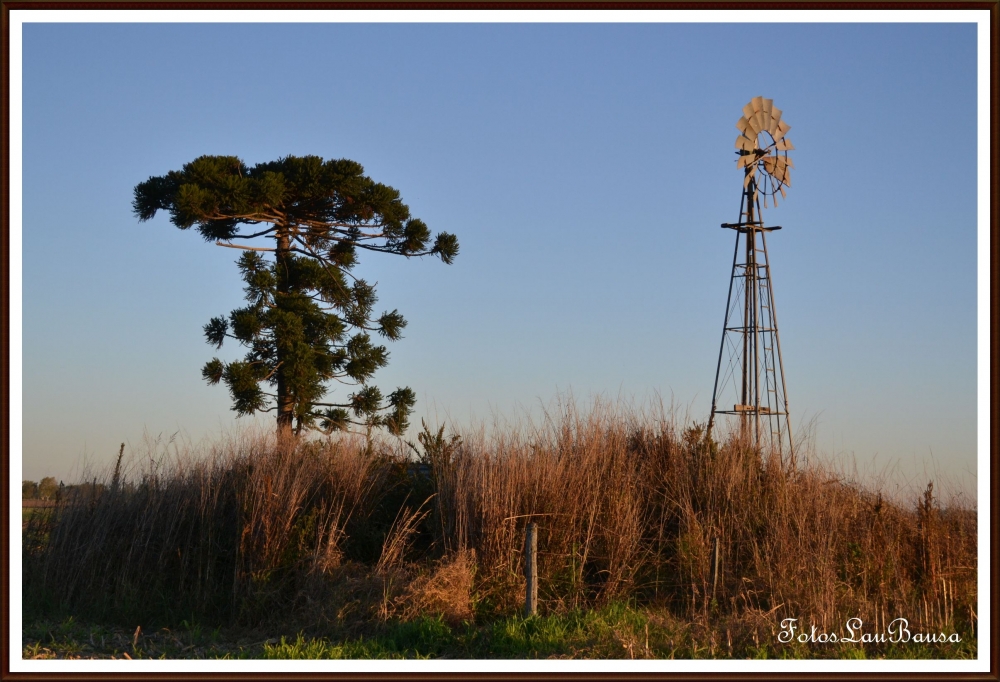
(307,318)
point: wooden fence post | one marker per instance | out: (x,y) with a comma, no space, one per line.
(715,565)
(531,570)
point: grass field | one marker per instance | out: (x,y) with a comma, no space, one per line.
(355,548)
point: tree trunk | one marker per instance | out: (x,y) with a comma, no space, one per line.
(286,402)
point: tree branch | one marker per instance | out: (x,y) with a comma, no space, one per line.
(256,234)
(250,217)
(245,248)
(271,373)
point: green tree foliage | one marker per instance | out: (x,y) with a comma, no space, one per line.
(29,490)
(307,320)
(47,488)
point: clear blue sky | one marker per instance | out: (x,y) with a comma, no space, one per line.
(585,169)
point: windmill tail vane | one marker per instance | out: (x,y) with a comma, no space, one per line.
(749,389)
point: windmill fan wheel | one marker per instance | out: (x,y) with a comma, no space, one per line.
(763,150)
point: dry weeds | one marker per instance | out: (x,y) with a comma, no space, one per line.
(628,505)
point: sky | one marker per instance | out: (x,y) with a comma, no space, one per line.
(585,169)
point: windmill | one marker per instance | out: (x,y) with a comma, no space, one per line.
(750,385)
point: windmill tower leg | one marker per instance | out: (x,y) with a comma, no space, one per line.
(722,343)
(752,373)
(782,426)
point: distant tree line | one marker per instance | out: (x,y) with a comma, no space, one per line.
(48,489)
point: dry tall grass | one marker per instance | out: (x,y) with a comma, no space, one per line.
(627,503)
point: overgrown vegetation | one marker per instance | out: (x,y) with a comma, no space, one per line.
(350,541)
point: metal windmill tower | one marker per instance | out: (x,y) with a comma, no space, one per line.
(750,384)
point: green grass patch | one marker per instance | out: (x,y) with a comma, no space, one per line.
(616,631)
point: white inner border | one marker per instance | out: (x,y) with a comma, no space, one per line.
(980,18)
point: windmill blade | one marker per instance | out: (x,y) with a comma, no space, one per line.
(782,190)
(765,118)
(745,160)
(746,179)
(757,103)
(743,125)
(785,145)
(775,120)
(782,162)
(768,105)
(748,110)
(758,118)
(775,197)
(783,128)
(744,143)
